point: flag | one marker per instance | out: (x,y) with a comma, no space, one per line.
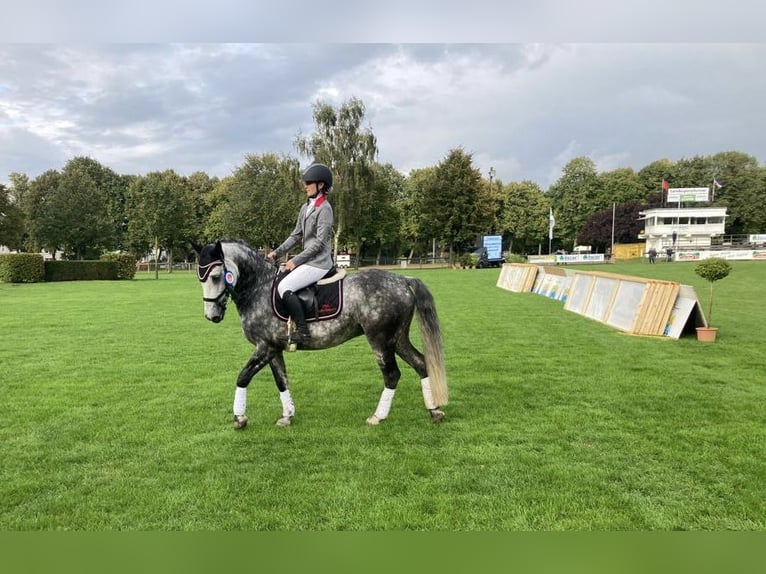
(665,184)
(551,224)
(716,184)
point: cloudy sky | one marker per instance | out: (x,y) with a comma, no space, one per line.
(525,106)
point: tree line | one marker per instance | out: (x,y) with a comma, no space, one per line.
(87,209)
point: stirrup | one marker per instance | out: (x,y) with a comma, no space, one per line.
(295,336)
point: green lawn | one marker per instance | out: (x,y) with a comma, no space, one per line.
(116,414)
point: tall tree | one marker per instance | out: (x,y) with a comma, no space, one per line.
(349,150)
(380,223)
(618,186)
(19,189)
(411,209)
(597,231)
(743,192)
(11,220)
(259,202)
(215,204)
(451,208)
(80,211)
(574,196)
(651,177)
(525,214)
(160,214)
(106,215)
(696,171)
(200,186)
(38,214)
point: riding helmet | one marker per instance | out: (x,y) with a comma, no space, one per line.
(318,172)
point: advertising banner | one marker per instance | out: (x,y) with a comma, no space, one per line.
(679,194)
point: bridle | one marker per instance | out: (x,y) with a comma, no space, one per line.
(203,272)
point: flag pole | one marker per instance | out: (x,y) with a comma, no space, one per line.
(551,223)
(613,210)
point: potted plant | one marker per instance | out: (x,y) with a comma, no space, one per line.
(711,270)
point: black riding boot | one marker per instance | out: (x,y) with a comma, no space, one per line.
(295,309)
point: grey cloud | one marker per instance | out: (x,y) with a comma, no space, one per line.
(521,108)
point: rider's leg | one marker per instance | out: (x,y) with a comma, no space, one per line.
(298,278)
(295,309)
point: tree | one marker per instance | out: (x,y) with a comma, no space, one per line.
(651,177)
(38,215)
(525,213)
(215,204)
(410,207)
(451,207)
(259,202)
(79,209)
(17,195)
(597,231)
(11,220)
(696,171)
(380,224)
(349,150)
(574,196)
(160,214)
(200,186)
(743,192)
(489,207)
(619,186)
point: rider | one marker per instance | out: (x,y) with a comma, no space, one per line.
(314,230)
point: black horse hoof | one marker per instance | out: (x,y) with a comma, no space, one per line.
(437,416)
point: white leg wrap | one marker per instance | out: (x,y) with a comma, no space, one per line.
(428,397)
(240,401)
(384,405)
(288,408)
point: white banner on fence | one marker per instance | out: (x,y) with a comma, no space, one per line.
(743,254)
(581,258)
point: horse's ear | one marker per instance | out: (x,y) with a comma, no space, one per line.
(196,246)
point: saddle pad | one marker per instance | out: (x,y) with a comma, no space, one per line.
(329,301)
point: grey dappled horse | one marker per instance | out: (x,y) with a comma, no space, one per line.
(377,304)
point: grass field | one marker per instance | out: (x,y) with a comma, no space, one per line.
(116,415)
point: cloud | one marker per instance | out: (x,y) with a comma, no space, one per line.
(523,108)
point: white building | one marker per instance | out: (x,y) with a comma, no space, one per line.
(46,254)
(682,227)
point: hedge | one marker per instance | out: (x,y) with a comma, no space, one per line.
(22,267)
(126,264)
(80,270)
(32,268)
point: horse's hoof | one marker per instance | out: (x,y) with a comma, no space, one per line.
(240,422)
(437,416)
(284,421)
(373,420)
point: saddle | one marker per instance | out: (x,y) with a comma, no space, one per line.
(321,300)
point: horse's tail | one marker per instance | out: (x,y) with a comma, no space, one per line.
(432,340)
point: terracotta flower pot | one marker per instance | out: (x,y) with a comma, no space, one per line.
(707,334)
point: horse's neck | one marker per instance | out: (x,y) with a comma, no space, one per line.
(252,268)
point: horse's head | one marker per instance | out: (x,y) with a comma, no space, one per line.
(217,281)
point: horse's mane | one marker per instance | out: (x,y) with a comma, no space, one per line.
(242,243)
(249,260)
